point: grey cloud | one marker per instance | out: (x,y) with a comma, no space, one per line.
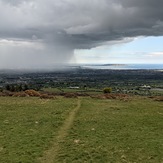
(65,25)
(14,2)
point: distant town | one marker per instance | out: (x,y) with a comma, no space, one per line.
(139,82)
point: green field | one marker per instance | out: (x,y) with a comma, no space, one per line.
(74,90)
(74,130)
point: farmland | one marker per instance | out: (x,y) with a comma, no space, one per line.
(82,129)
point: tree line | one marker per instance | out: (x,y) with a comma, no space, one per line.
(21,87)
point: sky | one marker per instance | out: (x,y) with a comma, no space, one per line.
(43,34)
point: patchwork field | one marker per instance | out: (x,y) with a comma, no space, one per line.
(80,130)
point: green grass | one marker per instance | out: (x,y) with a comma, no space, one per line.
(27,125)
(115,131)
(69,90)
(103,131)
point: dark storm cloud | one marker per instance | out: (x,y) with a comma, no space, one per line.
(60,26)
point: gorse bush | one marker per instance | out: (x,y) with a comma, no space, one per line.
(46,96)
(32,93)
(20,94)
(70,95)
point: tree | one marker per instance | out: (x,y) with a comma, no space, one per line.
(25,87)
(7,87)
(107,90)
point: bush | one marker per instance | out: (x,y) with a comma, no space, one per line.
(46,96)
(7,93)
(107,90)
(20,94)
(159,98)
(70,95)
(32,93)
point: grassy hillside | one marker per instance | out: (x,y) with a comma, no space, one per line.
(115,131)
(80,130)
(27,125)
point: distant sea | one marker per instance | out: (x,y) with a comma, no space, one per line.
(124,66)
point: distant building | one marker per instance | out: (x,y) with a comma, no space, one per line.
(146,87)
(76,87)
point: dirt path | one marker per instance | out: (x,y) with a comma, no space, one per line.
(50,155)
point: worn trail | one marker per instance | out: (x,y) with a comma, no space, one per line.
(50,155)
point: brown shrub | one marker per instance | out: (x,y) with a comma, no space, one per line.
(70,95)
(159,98)
(98,96)
(46,96)
(82,94)
(2,94)
(7,93)
(32,93)
(152,97)
(110,96)
(20,94)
